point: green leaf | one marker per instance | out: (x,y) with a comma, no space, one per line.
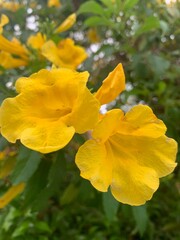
(26,165)
(107,3)
(69,194)
(164,27)
(129,4)
(43,227)
(110,205)
(48,184)
(96,21)
(158,64)
(141,218)
(21,229)
(150,23)
(91,7)
(37,183)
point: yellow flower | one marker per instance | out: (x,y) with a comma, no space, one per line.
(50,107)
(11,194)
(65,54)
(7,61)
(129,153)
(66,24)
(11,6)
(54,3)
(3,21)
(14,47)
(93,35)
(36,41)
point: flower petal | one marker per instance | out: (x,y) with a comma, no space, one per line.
(85,113)
(54,3)
(66,54)
(12,121)
(133,184)
(7,61)
(63,77)
(47,137)
(141,121)
(36,41)
(108,125)
(93,164)
(70,54)
(12,47)
(112,86)
(11,194)
(50,51)
(3,21)
(66,24)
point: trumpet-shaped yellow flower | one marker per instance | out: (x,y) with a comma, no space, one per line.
(54,3)
(7,61)
(50,107)
(66,24)
(129,153)
(11,194)
(3,21)
(36,41)
(14,47)
(65,54)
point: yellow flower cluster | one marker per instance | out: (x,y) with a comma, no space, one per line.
(126,152)
(10,48)
(9,5)
(65,54)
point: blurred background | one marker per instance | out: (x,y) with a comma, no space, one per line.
(57,204)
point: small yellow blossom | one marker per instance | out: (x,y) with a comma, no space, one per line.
(65,54)
(128,153)
(93,35)
(8,47)
(54,3)
(11,194)
(66,24)
(51,106)
(36,41)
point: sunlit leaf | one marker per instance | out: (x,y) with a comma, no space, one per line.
(91,7)
(129,4)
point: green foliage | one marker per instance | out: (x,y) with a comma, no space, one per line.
(57,204)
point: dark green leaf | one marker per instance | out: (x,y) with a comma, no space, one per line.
(141,218)
(69,194)
(158,64)
(27,163)
(110,205)
(150,23)
(37,182)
